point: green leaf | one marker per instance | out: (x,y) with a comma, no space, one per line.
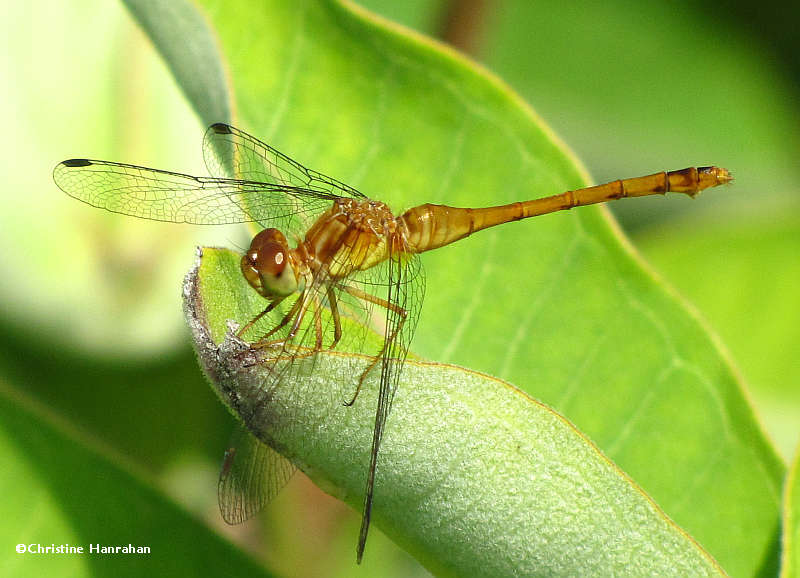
(757,262)
(187,44)
(790,567)
(561,306)
(59,489)
(475,477)
(81,388)
(629,85)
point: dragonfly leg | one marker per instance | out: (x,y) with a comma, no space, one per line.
(263,341)
(337,324)
(355,292)
(255,319)
(304,304)
(317,324)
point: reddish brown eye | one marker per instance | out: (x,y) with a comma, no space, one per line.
(268,252)
(270,259)
(267,265)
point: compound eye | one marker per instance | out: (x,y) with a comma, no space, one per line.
(266,265)
(269,259)
(268,251)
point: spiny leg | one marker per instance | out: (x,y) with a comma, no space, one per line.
(377,358)
(262,342)
(355,292)
(300,316)
(317,324)
(255,319)
(337,324)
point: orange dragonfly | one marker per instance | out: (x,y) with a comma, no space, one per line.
(334,266)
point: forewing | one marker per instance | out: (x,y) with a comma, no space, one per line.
(230,152)
(179,198)
(252,474)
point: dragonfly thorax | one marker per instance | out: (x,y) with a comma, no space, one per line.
(268,266)
(353,235)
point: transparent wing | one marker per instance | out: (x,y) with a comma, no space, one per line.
(230,152)
(179,198)
(252,474)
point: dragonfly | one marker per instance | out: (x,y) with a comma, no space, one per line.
(336,269)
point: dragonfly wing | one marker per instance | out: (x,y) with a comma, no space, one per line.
(179,198)
(252,474)
(405,291)
(230,152)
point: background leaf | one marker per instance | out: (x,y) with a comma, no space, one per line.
(629,85)
(757,261)
(65,492)
(188,47)
(791,522)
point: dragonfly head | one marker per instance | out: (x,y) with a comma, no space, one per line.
(267,265)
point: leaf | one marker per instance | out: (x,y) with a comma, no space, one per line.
(82,388)
(560,306)
(791,521)
(734,249)
(757,262)
(188,46)
(60,490)
(475,477)
(591,70)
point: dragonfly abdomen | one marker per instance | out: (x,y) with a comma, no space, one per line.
(432,226)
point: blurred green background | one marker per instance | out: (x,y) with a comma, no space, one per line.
(91,318)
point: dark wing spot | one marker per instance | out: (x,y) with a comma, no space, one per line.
(77,163)
(221,128)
